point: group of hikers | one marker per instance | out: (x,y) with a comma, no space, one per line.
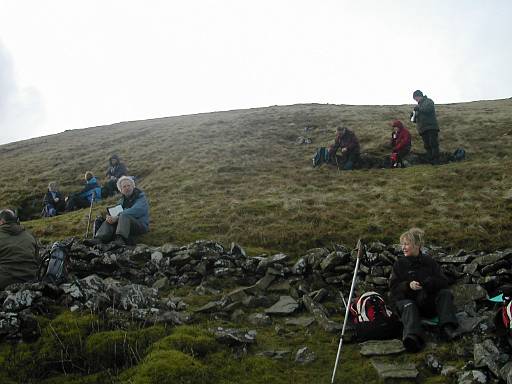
(120,228)
(417,284)
(346,141)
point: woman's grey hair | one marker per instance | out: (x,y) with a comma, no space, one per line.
(52,185)
(123,178)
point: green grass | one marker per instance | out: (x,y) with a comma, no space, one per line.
(239,176)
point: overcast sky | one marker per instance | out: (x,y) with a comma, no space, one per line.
(74,64)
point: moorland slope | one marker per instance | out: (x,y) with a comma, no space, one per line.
(240,176)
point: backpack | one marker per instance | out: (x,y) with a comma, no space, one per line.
(372,319)
(321,156)
(459,154)
(370,306)
(55,263)
(503,317)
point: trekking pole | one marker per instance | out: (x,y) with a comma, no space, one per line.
(354,278)
(90,213)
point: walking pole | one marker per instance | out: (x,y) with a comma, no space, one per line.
(90,213)
(354,278)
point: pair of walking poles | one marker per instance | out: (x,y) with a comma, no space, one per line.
(360,250)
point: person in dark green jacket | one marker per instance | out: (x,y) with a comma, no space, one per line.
(424,116)
(19,258)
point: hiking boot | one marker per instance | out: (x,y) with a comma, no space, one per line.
(448,332)
(119,241)
(413,343)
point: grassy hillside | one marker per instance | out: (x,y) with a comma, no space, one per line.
(240,176)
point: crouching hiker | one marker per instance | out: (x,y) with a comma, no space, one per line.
(400,144)
(347,142)
(419,288)
(19,258)
(83,199)
(133,219)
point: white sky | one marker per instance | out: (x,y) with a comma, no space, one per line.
(68,64)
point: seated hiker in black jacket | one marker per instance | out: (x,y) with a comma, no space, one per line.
(419,288)
(115,170)
(53,202)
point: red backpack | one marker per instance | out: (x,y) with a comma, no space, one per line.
(370,306)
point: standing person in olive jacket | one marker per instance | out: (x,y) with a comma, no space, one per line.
(426,123)
(419,287)
(115,170)
(132,221)
(19,258)
(347,142)
(400,143)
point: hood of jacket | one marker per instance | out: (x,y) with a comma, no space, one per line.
(12,229)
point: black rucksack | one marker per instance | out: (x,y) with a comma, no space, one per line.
(55,263)
(321,156)
(372,319)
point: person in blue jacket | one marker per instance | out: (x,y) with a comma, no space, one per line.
(132,221)
(83,199)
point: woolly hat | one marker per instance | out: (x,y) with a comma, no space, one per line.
(417,93)
(397,123)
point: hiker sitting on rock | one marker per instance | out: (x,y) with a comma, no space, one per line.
(19,258)
(83,199)
(419,288)
(348,144)
(400,144)
(53,202)
(115,170)
(132,221)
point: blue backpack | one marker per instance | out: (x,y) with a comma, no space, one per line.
(459,154)
(321,156)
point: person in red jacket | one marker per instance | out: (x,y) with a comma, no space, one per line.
(400,144)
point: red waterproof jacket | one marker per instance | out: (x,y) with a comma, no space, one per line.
(401,139)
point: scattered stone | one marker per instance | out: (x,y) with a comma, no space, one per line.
(303,321)
(259,319)
(234,337)
(304,356)
(320,314)
(395,370)
(381,347)
(465,293)
(472,377)
(433,363)
(284,306)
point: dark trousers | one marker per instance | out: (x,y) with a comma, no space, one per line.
(440,304)
(76,202)
(349,160)
(431,145)
(126,226)
(109,188)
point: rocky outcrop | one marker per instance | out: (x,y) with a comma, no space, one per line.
(134,282)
